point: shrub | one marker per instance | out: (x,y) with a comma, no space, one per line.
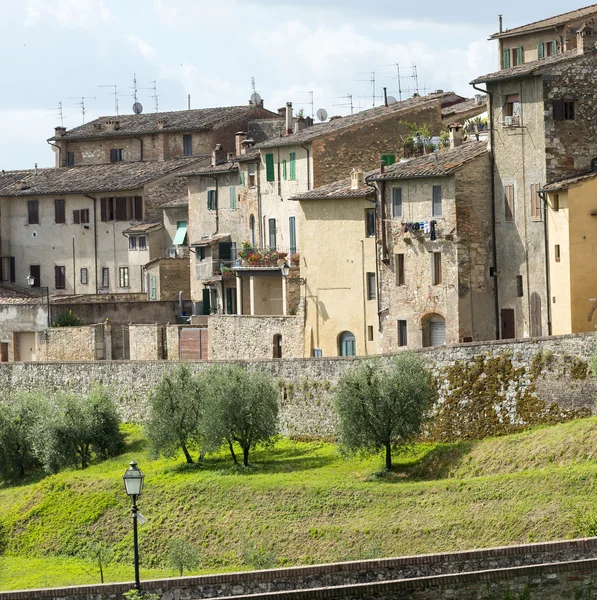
(182,555)
(68,319)
(383,408)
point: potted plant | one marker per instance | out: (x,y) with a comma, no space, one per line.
(295,259)
(281,258)
(245,252)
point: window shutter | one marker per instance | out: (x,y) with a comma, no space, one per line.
(139,208)
(284,173)
(554,47)
(114,155)
(103,208)
(269,167)
(272,234)
(13,269)
(59,212)
(541,50)
(121,212)
(233,197)
(509,203)
(388,159)
(519,55)
(558,110)
(396,202)
(506,60)
(76,217)
(32,207)
(436,209)
(293,166)
(292,228)
(242,177)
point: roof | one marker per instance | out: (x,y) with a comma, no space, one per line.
(563,184)
(112,177)
(437,164)
(529,68)
(464,107)
(143,228)
(180,120)
(218,237)
(336,124)
(12,294)
(226,167)
(549,23)
(338,189)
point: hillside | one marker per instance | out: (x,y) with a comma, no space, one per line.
(303,503)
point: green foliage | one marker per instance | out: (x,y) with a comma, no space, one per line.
(135,594)
(175,413)
(420,135)
(68,319)
(100,554)
(182,555)
(259,557)
(383,408)
(241,407)
(71,430)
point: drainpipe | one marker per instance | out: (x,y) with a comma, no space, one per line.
(377,282)
(543,197)
(308,167)
(94,234)
(140,148)
(59,152)
(493,228)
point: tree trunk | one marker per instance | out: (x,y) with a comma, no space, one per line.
(101,572)
(246,456)
(388,456)
(187,454)
(232,452)
(201,456)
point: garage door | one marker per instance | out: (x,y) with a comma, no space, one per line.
(193,343)
(437,333)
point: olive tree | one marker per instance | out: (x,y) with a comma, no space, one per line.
(182,555)
(241,407)
(175,413)
(383,407)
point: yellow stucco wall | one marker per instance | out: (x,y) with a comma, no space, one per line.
(335,257)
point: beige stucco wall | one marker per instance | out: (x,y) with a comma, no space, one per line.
(335,257)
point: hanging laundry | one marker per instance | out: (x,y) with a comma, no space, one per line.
(432,236)
(427,228)
(411,227)
(404,228)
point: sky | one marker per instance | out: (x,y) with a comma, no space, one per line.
(58,51)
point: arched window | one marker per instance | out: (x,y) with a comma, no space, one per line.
(434,330)
(252,229)
(277,353)
(347,344)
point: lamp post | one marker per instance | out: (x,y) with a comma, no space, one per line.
(43,290)
(133,483)
(286,271)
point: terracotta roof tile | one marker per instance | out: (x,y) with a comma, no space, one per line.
(563,184)
(143,228)
(338,189)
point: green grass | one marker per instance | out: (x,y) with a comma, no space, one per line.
(303,503)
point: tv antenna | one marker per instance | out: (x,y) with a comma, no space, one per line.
(82,103)
(371,80)
(154,89)
(115,93)
(135,88)
(349,103)
(413,76)
(58,109)
(310,102)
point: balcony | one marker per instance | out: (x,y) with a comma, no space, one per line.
(214,270)
(264,258)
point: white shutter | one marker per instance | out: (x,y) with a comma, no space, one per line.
(437,333)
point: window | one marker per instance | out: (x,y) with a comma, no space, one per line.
(517,56)
(200,253)
(132,242)
(272,234)
(396,202)
(293,166)
(284,173)
(555,202)
(70,159)
(347,344)
(230,301)
(35,272)
(370,333)
(59,212)
(557,252)
(105,277)
(569,112)
(535,202)
(33,212)
(76,216)
(84,214)
(83,276)
(400,278)
(121,209)
(551,48)
(436,208)
(564,110)
(277,346)
(512,108)
(509,202)
(519,289)
(252,229)
(370,222)
(370,286)
(211,200)
(60,278)
(388,159)
(269,167)
(252,175)
(232,197)
(135,209)
(402,333)
(187,144)
(116,154)
(506,61)
(437,268)
(123,277)
(153,294)
(142,242)
(540,50)
(292,230)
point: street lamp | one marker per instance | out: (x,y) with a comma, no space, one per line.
(133,483)
(286,271)
(43,290)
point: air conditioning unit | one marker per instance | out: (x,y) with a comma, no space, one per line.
(171,252)
(508,121)
(182,251)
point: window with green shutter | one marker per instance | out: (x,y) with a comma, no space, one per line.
(520,55)
(292,229)
(506,59)
(211,199)
(232,197)
(269,167)
(540,50)
(241,175)
(284,175)
(388,159)
(554,47)
(293,166)
(154,288)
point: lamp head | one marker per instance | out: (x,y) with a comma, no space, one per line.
(133,480)
(30,280)
(285,270)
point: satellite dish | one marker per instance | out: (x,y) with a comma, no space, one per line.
(137,108)
(391,100)
(322,114)
(255,99)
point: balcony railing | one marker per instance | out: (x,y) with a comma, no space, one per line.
(210,269)
(265,257)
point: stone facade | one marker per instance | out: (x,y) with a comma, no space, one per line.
(147,342)
(172,277)
(71,343)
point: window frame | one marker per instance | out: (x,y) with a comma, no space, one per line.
(402,332)
(212,200)
(555,202)
(123,277)
(187,144)
(557,253)
(370,223)
(436,268)
(70,159)
(371,285)
(435,202)
(142,246)
(272,231)
(251,172)
(400,269)
(132,242)
(509,204)
(59,277)
(397,203)
(105,278)
(83,276)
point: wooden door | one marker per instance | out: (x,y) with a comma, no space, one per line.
(508,330)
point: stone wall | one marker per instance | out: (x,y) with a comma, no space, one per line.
(147,342)
(70,343)
(552,370)
(548,569)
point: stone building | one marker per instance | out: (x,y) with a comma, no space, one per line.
(543,123)
(435,249)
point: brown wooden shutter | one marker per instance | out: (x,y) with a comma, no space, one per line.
(103,208)
(33,215)
(121,212)
(535,203)
(139,208)
(59,212)
(558,110)
(76,217)
(509,202)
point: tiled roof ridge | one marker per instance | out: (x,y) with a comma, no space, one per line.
(537,24)
(569,180)
(166,112)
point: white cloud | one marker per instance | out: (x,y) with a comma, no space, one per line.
(69,13)
(146,50)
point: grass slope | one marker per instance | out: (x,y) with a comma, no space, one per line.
(303,503)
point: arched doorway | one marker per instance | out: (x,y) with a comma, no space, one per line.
(347,344)
(434,330)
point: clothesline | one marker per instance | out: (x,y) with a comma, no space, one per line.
(427,227)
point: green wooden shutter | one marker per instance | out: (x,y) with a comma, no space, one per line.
(284,174)
(541,50)
(242,177)
(232,197)
(388,159)
(520,55)
(554,47)
(506,59)
(292,228)
(269,167)
(206,302)
(154,287)
(293,166)
(211,199)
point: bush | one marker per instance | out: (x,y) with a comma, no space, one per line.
(182,555)
(68,319)
(175,413)
(383,408)
(240,407)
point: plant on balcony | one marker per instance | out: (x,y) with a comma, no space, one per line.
(255,257)
(246,251)
(295,259)
(227,271)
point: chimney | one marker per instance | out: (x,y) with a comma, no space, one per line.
(218,156)
(113,125)
(501,23)
(357,179)
(300,124)
(240,137)
(585,38)
(455,135)
(478,99)
(59,131)
(161,123)
(289,118)
(21,184)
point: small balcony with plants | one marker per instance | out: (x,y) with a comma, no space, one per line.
(252,257)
